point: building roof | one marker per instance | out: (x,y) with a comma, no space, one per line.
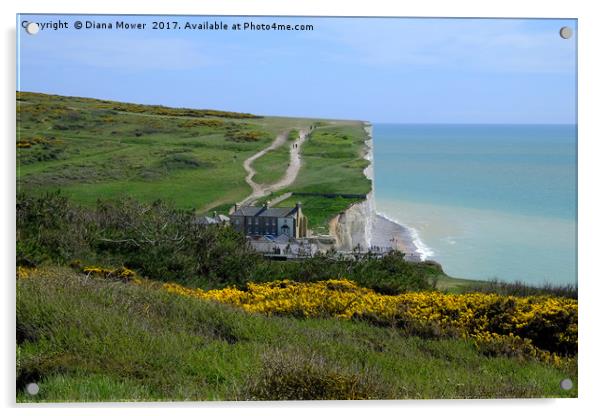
(249,211)
(277,212)
(206,220)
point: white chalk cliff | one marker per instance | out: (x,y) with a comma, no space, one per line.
(353,227)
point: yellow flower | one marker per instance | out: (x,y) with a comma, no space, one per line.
(486,318)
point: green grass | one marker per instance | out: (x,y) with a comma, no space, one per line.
(272,166)
(96,149)
(454,284)
(319,210)
(86,339)
(93,149)
(333,161)
(457,285)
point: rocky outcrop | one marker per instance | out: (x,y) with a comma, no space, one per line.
(353,227)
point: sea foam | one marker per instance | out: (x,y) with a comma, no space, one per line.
(423,251)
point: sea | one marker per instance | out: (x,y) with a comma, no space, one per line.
(485,201)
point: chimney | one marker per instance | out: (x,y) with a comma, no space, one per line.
(214,214)
(236,207)
(298,208)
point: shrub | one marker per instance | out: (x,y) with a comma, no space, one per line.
(167,244)
(120,273)
(299,375)
(49,228)
(203,122)
(183,161)
(513,346)
(155,239)
(522,289)
(389,275)
(545,323)
(244,136)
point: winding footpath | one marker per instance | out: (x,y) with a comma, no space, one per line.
(260,190)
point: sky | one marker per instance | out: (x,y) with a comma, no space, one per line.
(397,70)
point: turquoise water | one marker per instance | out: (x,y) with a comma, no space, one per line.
(486,200)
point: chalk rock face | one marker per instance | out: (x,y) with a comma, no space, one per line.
(354,226)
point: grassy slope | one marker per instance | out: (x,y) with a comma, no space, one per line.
(272,166)
(332,163)
(449,284)
(96,340)
(93,151)
(320,210)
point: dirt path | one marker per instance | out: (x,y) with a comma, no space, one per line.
(259,190)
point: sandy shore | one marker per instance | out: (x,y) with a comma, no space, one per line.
(387,234)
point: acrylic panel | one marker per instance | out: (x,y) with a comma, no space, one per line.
(295,208)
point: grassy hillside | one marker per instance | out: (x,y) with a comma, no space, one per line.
(272,166)
(333,160)
(333,163)
(319,210)
(92,339)
(95,149)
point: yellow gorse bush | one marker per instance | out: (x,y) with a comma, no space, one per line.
(122,273)
(27,143)
(24,272)
(540,325)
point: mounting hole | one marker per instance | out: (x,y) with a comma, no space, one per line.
(32,28)
(32,389)
(566,32)
(566,384)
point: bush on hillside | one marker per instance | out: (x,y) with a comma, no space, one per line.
(521,289)
(299,375)
(164,243)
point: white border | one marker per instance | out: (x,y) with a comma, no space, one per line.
(590,37)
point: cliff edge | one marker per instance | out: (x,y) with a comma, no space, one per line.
(353,227)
